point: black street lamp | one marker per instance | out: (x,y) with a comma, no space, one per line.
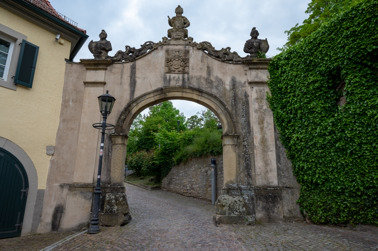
(106,102)
(178,125)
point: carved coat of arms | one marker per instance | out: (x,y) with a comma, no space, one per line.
(177,61)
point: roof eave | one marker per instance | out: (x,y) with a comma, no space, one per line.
(81,36)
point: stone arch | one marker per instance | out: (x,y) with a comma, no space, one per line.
(31,172)
(133,108)
(216,105)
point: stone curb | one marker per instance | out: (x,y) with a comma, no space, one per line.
(150,188)
(58,243)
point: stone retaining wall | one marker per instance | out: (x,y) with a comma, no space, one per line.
(193,178)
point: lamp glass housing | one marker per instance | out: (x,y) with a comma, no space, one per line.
(106,102)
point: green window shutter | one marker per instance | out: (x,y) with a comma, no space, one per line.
(26,64)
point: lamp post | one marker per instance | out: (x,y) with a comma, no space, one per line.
(106,102)
(178,125)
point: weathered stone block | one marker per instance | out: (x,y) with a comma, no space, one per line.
(235,206)
(114,206)
(230,206)
(269,204)
(291,209)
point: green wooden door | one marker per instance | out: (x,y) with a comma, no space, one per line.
(13,193)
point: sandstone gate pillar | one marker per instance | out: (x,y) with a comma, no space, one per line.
(236,203)
(115,211)
(229,158)
(118,158)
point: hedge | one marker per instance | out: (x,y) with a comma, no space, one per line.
(333,146)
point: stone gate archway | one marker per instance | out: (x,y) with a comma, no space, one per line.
(208,100)
(258,178)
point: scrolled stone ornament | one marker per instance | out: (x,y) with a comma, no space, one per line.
(131,54)
(223,54)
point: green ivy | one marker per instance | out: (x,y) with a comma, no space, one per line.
(333,148)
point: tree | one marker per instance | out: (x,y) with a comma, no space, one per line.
(194,122)
(205,119)
(169,145)
(134,134)
(143,130)
(210,120)
(167,116)
(320,12)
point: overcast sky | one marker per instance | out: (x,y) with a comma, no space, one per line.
(223,23)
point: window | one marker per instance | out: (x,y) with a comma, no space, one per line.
(6,49)
(10,48)
(26,64)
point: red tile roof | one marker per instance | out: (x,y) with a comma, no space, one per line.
(46,6)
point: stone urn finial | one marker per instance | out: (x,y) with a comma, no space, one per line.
(178,24)
(100,48)
(254,46)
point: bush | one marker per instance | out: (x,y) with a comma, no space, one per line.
(204,142)
(141,163)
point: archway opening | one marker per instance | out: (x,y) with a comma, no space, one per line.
(119,139)
(172,149)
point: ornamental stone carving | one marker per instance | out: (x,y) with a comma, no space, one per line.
(130,53)
(100,49)
(177,61)
(178,24)
(223,54)
(254,46)
(178,35)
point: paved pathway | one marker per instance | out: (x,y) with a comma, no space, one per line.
(166,221)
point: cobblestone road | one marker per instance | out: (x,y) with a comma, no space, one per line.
(166,221)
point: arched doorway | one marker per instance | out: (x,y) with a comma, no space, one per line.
(14,187)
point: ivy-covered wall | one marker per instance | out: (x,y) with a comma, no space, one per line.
(324,97)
